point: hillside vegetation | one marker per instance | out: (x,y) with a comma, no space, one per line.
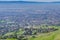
(48,36)
(19,35)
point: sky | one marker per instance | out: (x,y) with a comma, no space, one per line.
(33,0)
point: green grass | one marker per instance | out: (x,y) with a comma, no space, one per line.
(12,33)
(48,36)
(8,34)
(11,39)
(42,36)
(20,32)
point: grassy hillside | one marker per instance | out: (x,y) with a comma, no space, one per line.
(55,35)
(48,36)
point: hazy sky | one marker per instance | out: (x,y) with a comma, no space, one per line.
(42,0)
(32,0)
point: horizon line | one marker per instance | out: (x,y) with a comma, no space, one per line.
(32,1)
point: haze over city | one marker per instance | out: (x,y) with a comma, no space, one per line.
(29,19)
